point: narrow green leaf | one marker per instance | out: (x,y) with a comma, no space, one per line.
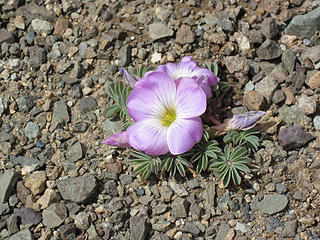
(111,111)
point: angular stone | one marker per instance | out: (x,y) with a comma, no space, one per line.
(209,194)
(29,216)
(87,104)
(75,152)
(266,87)
(254,101)
(185,35)
(12,224)
(139,227)
(293,137)
(180,208)
(125,55)
(236,64)
(6,36)
(82,221)
(290,229)
(22,192)
(54,215)
(161,226)
(269,28)
(41,26)
(290,99)
(304,26)
(68,231)
(8,181)
(36,182)
(24,234)
(33,11)
(166,193)
(288,60)
(158,31)
(79,189)
(32,130)
(26,161)
(60,115)
(272,204)
(50,196)
(269,50)
(278,97)
(38,56)
(314,81)
(311,53)
(60,26)
(25,103)
(307,104)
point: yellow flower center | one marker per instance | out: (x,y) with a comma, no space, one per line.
(168,117)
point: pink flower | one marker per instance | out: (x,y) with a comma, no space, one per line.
(117,140)
(166,115)
(189,68)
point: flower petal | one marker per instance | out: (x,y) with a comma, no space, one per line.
(149,136)
(191,100)
(183,134)
(131,80)
(210,76)
(117,140)
(187,58)
(245,121)
(161,85)
(142,103)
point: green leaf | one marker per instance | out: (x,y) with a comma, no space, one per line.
(111,111)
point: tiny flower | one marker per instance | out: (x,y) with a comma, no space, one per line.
(117,140)
(189,68)
(243,121)
(131,80)
(166,115)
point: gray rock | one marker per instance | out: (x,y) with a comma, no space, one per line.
(6,36)
(269,28)
(68,231)
(293,114)
(269,50)
(32,130)
(161,226)
(38,56)
(191,228)
(93,235)
(290,229)
(29,216)
(4,208)
(223,231)
(3,105)
(54,215)
(33,11)
(111,127)
(12,224)
(25,103)
(60,115)
(75,152)
(211,20)
(26,161)
(166,193)
(158,31)
(266,87)
(312,53)
(273,224)
(225,203)
(87,104)
(304,26)
(288,60)
(24,234)
(159,209)
(125,179)
(79,189)
(307,104)
(193,183)
(159,236)
(316,122)
(139,227)
(226,25)
(8,181)
(272,204)
(196,211)
(278,97)
(41,27)
(244,228)
(178,189)
(185,35)
(82,221)
(180,208)
(293,137)
(125,55)
(210,193)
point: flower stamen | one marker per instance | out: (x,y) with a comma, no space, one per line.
(168,117)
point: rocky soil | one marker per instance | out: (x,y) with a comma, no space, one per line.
(57,181)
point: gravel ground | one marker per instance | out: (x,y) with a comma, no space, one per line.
(59,182)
